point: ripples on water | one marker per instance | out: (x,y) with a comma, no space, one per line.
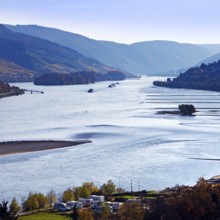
(130,141)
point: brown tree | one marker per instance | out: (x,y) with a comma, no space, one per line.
(132,211)
(86,214)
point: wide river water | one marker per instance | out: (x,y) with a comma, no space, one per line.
(130,141)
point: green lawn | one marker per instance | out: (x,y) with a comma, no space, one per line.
(45,216)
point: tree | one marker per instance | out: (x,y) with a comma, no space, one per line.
(198,202)
(86,214)
(4,213)
(9,213)
(132,211)
(14,208)
(81,192)
(187,109)
(35,201)
(85,190)
(51,197)
(108,188)
(106,213)
(31,203)
(92,188)
(68,195)
(42,200)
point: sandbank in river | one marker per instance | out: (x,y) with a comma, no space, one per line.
(15,147)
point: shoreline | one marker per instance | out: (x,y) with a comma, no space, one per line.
(16,147)
(9,94)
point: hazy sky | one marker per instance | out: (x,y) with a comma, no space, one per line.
(127,21)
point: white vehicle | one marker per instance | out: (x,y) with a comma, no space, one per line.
(60,206)
(86,202)
(97,198)
(72,204)
(115,205)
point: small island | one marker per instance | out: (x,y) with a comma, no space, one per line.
(82,77)
(204,77)
(184,110)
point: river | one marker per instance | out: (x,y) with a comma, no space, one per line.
(130,141)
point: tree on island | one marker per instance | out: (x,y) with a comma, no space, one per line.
(187,109)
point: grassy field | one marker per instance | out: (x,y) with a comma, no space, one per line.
(45,216)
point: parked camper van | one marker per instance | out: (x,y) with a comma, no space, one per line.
(115,206)
(97,198)
(76,204)
(86,202)
(62,207)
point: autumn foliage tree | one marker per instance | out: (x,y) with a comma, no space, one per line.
(14,208)
(68,195)
(35,201)
(86,214)
(132,211)
(51,197)
(108,188)
(85,190)
(199,202)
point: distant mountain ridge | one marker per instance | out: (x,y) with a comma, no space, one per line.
(31,56)
(215,48)
(212,59)
(152,57)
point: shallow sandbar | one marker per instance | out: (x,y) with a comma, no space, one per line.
(15,147)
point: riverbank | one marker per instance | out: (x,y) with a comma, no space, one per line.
(6,90)
(15,147)
(8,94)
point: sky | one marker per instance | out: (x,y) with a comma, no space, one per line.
(122,21)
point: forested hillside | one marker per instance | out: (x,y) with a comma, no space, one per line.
(203,77)
(28,56)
